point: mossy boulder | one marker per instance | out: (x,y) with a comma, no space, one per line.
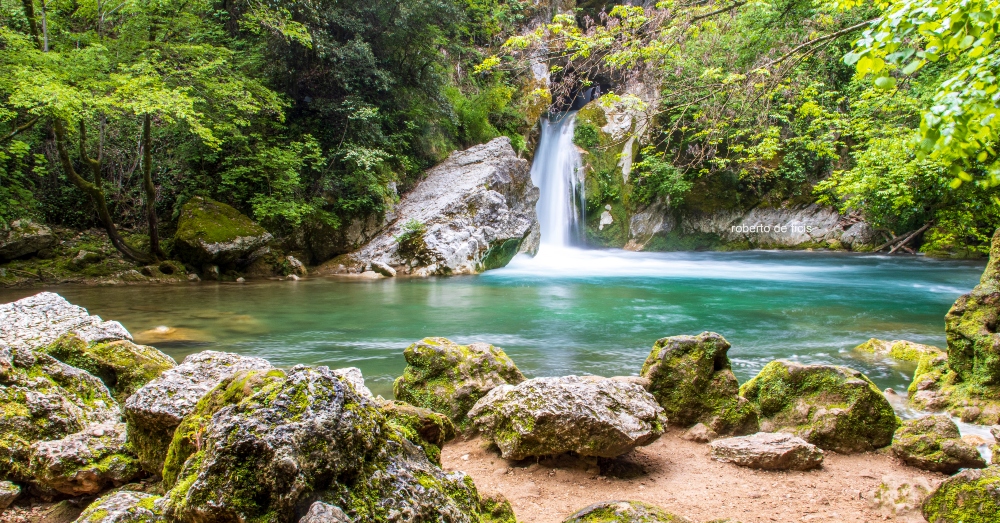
(124,506)
(901,350)
(155,410)
(211,232)
(971,496)
(449,378)
(424,427)
(84,463)
(589,415)
(24,238)
(42,399)
(280,444)
(967,381)
(832,407)
(122,365)
(934,443)
(691,378)
(624,512)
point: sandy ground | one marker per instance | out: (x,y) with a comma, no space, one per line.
(680,477)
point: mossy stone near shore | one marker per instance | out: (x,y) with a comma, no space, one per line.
(971,496)
(624,512)
(123,366)
(832,407)
(424,427)
(691,378)
(449,378)
(211,232)
(934,443)
(900,350)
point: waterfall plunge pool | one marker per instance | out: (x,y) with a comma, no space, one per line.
(567,311)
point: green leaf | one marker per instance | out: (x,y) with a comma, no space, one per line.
(885,82)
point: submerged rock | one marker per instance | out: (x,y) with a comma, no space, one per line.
(24,237)
(124,506)
(85,462)
(276,447)
(901,350)
(624,512)
(691,378)
(469,214)
(9,493)
(41,319)
(449,378)
(155,410)
(832,407)
(768,451)
(934,443)
(210,232)
(591,416)
(426,428)
(44,399)
(122,365)
(971,496)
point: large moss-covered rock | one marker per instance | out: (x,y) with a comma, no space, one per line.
(624,512)
(85,462)
(901,350)
(41,319)
(122,365)
(591,416)
(9,492)
(279,444)
(424,427)
(124,506)
(934,443)
(155,410)
(449,378)
(967,381)
(832,407)
(24,237)
(43,399)
(691,378)
(971,496)
(210,232)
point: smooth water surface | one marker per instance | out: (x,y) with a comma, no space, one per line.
(564,312)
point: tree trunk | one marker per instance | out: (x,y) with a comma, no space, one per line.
(147,184)
(29,13)
(93,190)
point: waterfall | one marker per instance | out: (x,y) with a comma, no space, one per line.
(554,172)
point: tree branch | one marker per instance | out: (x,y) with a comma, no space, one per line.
(718,11)
(20,129)
(814,41)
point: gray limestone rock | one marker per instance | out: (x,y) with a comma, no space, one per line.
(768,451)
(41,319)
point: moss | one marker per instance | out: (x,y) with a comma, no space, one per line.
(204,219)
(424,427)
(624,512)
(900,350)
(972,496)
(832,407)
(188,437)
(499,255)
(123,366)
(691,378)
(449,378)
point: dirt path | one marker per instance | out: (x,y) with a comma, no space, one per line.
(679,476)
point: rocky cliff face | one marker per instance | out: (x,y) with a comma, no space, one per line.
(471,213)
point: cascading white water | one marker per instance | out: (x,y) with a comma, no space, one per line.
(554,172)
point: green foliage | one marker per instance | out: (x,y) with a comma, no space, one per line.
(20,171)
(586,135)
(959,124)
(655,177)
(411,229)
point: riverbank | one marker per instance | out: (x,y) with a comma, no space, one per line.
(679,476)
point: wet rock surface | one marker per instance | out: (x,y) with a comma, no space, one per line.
(832,407)
(934,443)
(41,319)
(901,350)
(590,416)
(768,451)
(691,378)
(449,378)
(155,410)
(470,213)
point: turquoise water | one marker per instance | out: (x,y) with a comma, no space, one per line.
(571,312)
